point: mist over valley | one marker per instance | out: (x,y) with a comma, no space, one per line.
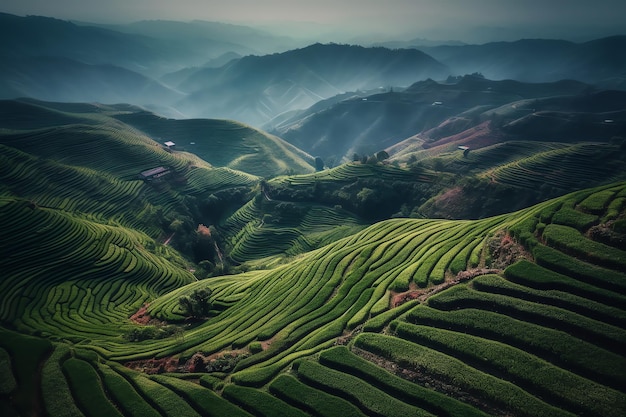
(313,209)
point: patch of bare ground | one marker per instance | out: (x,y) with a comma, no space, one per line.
(348,335)
(504,250)
(435,382)
(265,344)
(155,366)
(219,361)
(422,294)
(141,316)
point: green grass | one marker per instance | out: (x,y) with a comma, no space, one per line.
(26,354)
(553,345)
(525,370)
(570,240)
(79,240)
(56,392)
(7,383)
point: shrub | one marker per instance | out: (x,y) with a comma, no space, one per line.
(255,347)
(7,382)
(570,240)
(342,359)
(596,202)
(368,398)
(454,371)
(197,304)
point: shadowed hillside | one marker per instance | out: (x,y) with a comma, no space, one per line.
(255,89)
(537,60)
(367,124)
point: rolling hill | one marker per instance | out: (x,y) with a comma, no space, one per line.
(369,123)
(518,314)
(203,267)
(152,48)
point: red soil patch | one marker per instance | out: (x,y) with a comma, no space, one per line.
(155,366)
(142,316)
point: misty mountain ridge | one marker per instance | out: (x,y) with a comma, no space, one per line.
(369,123)
(209,69)
(537,60)
(150,47)
(256,89)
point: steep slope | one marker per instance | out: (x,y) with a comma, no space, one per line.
(367,124)
(79,159)
(255,89)
(518,314)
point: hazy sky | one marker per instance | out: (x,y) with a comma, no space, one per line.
(474,20)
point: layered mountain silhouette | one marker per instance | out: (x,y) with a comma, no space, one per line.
(255,89)
(366,124)
(214,70)
(538,60)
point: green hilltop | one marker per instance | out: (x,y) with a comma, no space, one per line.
(202,289)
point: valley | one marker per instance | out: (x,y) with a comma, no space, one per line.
(317,230)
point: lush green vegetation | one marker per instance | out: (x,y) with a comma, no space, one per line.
(518,314)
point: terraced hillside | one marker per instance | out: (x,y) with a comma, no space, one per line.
(226,143)
(519,314)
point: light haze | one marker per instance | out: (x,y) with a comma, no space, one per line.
(466,20)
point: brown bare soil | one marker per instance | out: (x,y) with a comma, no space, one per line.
(142,316)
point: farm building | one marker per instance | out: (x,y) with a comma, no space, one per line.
(154,173)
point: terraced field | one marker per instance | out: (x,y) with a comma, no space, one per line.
(226,143)
(520,314)
(563,167)
(544,335)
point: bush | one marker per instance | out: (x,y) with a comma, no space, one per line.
(342,359)
(368,398)
(570,240)
(197,304)
(438,365)
(255,347)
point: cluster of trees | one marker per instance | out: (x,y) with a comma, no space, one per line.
(370,159)
(196,305)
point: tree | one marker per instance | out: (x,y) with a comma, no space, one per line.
(197,304)
(319,164)
(382,155)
